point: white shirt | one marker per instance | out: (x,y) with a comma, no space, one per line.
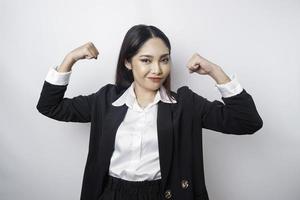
(136,156)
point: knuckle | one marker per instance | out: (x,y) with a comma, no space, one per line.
(89,44)
(196,55)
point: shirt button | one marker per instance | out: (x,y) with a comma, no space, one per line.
(184,184)
(168,194)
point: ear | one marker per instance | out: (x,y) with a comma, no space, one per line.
(127,64)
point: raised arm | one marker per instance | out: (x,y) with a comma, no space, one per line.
(237,115)
(52,102)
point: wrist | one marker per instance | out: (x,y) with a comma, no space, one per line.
(70,58)
(219,75)
(215,71)
(67,64)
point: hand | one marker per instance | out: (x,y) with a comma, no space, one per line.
(86,51)
(200,65)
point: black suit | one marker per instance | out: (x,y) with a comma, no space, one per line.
(179,128)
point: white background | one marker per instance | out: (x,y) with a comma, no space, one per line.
(41,158)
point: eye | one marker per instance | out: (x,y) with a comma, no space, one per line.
(145,60)
(166,60)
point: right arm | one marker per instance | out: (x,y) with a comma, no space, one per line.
(52,102)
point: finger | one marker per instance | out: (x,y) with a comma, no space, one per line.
(94,49)
(190,62)
(196,66)
(193,60)
(95,52)
(91,48)
(191,69)
(88,57)
(193,66)
(92,53)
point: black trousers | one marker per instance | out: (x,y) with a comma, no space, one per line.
(119,189)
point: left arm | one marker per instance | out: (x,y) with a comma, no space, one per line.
(238,115)
(203,66)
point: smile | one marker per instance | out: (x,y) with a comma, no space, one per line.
(155,79)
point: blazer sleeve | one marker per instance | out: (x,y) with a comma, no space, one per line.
(53,104)
(237,115)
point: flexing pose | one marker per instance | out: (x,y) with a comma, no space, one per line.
(146,140)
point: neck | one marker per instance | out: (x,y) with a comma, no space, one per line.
(143,95)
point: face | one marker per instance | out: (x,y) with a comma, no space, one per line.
(151,61)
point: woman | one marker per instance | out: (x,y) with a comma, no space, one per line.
(146,140)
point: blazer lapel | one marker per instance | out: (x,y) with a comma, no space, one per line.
(111,123)
(165,139)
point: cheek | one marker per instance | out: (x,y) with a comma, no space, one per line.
(166,69)
(140,71)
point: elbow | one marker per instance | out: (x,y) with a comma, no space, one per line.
(42,110)
(259,124)
(254,127)
(246,127)
(38,107)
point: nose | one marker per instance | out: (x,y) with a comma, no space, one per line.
(156,69)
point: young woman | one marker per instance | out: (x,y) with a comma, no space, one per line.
(146,140)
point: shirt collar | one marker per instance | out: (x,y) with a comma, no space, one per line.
(129,97)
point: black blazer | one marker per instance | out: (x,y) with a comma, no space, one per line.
(179,128)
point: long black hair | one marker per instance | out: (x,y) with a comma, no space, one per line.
(135,37)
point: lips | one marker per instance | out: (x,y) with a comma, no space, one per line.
(155,79)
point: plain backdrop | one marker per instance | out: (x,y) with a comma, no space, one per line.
(258,40)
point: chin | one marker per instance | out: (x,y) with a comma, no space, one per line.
(155,86)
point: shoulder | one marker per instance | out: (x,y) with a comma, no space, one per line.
(183,95)
(182,92)
(110,91)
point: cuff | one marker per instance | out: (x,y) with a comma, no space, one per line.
(231,88)
(58,78)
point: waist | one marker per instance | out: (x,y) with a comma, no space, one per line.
(134,186)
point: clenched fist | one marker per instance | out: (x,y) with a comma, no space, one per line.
(200,65)
(86,51)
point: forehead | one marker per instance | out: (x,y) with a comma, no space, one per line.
(154,47)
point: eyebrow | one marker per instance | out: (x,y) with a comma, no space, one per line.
(163,55)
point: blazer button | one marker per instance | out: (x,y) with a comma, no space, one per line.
(168,194)
(184,184)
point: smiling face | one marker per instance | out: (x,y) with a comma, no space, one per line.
(151,61)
